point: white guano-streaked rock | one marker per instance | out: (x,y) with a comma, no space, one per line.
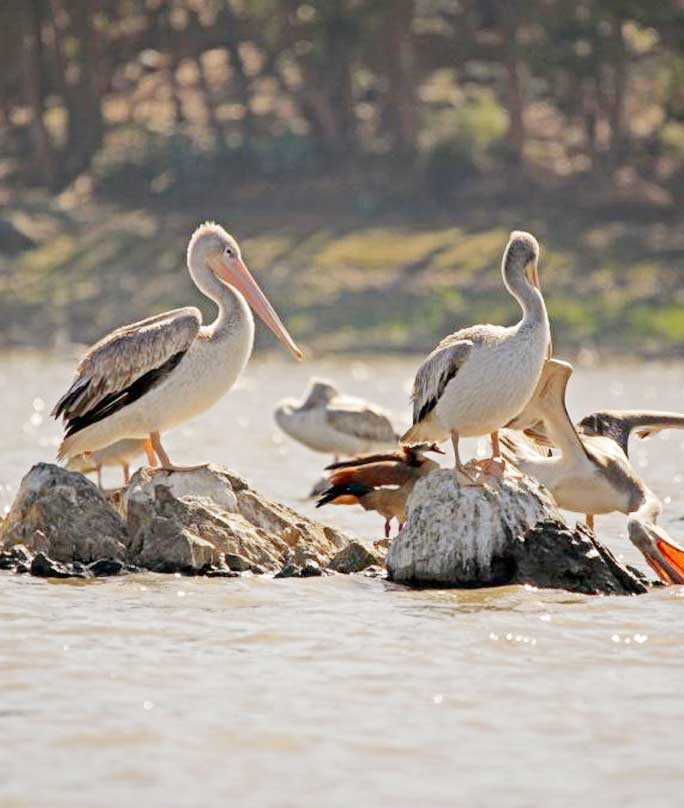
(504,532)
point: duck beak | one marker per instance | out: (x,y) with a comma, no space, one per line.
(235,273)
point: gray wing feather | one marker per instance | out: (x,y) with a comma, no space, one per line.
(363,422)
(436,372)
(125,355)
(619,424)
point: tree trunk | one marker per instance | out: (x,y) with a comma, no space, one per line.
(35,90)
(400,107)
(617,97)
(515,103)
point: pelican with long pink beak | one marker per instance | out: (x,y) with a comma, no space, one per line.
(146,378)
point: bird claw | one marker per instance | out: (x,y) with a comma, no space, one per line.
(492,466)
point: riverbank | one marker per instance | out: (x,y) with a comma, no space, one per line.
(349,271)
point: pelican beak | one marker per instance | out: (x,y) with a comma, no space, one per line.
(663,556)
(671,560)
(235,273)
(533,275)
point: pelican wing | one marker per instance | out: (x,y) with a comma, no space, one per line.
(619,424)
(125,364)
(361,420)
(436,372)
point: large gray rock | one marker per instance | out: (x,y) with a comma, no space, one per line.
(212,517)
(62,514)
(508,531)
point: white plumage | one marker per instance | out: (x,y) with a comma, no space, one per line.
(479,378)
(150,376)
(327,421)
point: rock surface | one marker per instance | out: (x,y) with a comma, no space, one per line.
(509,531)
(63,515)
(214,518)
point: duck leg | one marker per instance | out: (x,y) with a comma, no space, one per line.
(165,460)
(388,528)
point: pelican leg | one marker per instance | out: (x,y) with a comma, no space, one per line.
(126,473)
(151,456)
(590,521)
(165,460)
(459,468)
(494,465)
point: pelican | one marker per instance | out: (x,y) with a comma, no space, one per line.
(327,421)
(592,474)
(118,454)
(380,482)
(479,378)
(150,376)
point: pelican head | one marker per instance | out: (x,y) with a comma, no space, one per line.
(320,392)
(520,258)
(214,252)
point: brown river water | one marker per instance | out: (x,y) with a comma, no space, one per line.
(162,691)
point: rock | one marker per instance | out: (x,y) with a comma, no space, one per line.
(355,557)
(311,570)
(289,570)
(105,567)
(213,519)
(552,555)
(64,516)
(44,567)
(207,521)
(509,531)
(16,556)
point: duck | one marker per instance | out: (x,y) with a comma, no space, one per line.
(479,378)
(380,482)
(118,454)
(150,376)
(330,422)
(592,473)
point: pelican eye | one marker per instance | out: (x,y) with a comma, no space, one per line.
(230,252)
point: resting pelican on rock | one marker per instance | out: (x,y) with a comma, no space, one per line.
(327,421)
(118,454)
(150,376)
(592,474)
(380,482)
(479,378)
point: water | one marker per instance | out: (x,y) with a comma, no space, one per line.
(159,690)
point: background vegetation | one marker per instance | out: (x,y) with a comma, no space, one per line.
(371,154)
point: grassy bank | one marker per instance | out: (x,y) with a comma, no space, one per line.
(349,273)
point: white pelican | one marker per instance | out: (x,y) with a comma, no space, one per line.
(150,376)
(479,378)
(592,474)
(327,421)
(381,482)
(118,454)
